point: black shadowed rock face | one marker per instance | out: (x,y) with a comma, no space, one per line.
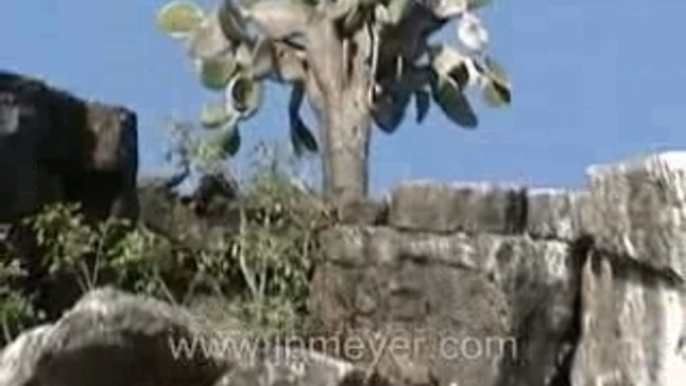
(112,135)
(56,147)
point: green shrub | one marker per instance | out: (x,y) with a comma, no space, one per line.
(278,224)
(257,277)
(16,309)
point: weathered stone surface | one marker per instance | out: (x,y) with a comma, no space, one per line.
(633,313)
(442,207)
(110,338)
(18,360)
(639,210)
(485,288)
(113,338)
(364,212)
(556,214)
(295,367)
(633,328)
(55,147)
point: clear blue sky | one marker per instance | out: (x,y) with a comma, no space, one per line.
(594,82)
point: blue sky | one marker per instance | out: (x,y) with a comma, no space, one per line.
(594,82)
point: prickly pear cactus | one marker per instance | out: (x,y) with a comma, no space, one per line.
(235,46)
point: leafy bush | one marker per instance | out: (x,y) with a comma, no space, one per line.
(258,275)
(95,254)
(15,307)
(278,224)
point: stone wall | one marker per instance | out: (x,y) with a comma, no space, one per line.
(588,284)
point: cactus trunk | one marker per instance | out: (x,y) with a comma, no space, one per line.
(342,76)
(346,136)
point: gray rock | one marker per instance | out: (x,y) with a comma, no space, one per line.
(114,338)
(18,360)
(351,245)
(296,367)
(505,293)
(453,258)
(442,207)
(111,338)
(633,328)
(584,213)
(639,210)
(552,214)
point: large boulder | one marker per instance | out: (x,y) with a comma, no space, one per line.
(56,147)
(633,309)
(639,209)
(632,330)
(111,338)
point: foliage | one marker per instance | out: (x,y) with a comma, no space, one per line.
(259,273)
(199,153)
(278,224)
(15,306)
(110,252)
(238,45)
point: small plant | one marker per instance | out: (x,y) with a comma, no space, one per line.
(259,272)
(66,241)
(16,309)
(278,223)
(269,255)
(96,254)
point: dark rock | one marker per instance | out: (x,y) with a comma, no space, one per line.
(215,192)
(364,212)
(55,147)
(200,220)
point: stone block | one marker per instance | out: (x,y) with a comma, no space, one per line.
(639,210)
(467,207)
